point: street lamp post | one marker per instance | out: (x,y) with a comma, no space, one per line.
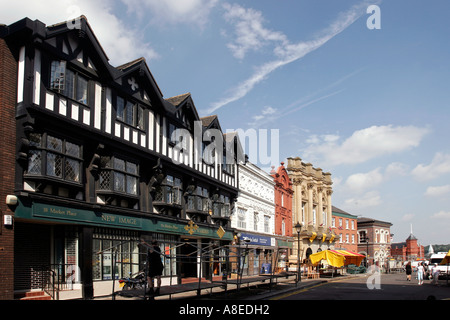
(298,228)
(366,240)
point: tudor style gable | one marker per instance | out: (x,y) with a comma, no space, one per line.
(105,135)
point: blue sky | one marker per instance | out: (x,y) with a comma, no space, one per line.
(371,106)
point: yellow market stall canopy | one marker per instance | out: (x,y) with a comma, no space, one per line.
(446,259)
(337,258)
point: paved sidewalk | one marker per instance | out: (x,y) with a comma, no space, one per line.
(248,291)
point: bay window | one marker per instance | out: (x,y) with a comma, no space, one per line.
(199,200)
(170,191)
(118,175)
(221,207)
(54,157)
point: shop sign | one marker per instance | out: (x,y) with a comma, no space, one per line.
(284,244)
(192,229)
(98,218)
(85,216)
(257,239)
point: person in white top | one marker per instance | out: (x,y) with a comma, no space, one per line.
(435,274)
(420,273)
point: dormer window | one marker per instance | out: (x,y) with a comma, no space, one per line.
(130,113)
(68,82)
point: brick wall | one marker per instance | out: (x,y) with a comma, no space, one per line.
(8,84)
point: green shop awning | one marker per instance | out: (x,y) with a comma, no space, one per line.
(61,214)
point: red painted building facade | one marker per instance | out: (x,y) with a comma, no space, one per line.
(283,201)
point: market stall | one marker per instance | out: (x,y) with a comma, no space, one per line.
(446,261)
(337,258)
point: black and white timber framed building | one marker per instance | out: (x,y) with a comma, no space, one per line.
(98,162)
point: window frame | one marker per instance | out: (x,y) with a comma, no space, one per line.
(170,191)
(199,200)
(76,79)
(131,113)
(42,147)
(109,165)
(242,218)
(221,207)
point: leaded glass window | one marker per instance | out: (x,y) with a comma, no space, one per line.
(170,191)
(54,157)
(221,207)
(199,200)
(129,112)
(68,82)
(118,175)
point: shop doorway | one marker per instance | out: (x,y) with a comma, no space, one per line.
(308,253)
(188,258)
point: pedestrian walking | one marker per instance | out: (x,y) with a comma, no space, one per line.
(154,266)
(435,275)
(408,271)
(420,272)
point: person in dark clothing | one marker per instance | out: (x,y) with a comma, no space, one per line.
(408,269)
(154,266)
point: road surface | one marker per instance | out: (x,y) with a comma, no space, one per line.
(371,287)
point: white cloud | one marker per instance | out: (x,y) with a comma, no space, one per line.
(250,33)
(439,165)
(337,182)
(438,191)
(121,42)
(269,110)
(397,169)
(365,144)
(285,51)
(190,12)
(441,215)
(360,182)
(266,112)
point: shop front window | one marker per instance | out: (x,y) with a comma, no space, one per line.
(122,245)
(168,246)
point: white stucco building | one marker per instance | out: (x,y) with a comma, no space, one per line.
(254,215)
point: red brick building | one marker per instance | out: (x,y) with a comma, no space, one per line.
(408,250)
(374,241)
(346,226)
(8,88)
(283,201)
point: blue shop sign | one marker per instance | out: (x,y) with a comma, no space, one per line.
(256,239)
